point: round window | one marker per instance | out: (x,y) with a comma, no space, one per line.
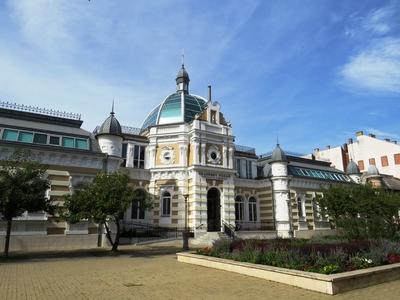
(167,155)
(213,155)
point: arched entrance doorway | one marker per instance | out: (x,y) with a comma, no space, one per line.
(213,210)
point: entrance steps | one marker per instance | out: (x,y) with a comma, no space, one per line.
(208,238)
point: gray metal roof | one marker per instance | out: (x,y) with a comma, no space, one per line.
(352,168)
(182,76)
(110,126)
(372,170)
(278,155)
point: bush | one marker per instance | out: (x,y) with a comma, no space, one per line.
(325,258)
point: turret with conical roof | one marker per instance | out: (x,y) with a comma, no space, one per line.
(281,192)
(109,135)
(278,155)
(182,80)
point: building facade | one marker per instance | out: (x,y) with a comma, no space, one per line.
(184,155)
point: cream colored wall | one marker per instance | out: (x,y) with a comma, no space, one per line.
(175,148)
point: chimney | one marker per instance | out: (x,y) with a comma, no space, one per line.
(394,142)
(209,93)
(372,135)
(328,147)
(350,141)
(387,140)
(358,133)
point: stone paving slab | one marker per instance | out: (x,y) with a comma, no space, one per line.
(149,272)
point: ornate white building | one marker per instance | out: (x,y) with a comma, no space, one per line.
(183,155)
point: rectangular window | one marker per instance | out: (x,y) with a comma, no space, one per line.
(54,140)
(397,158)
(25,137)
(238,167)
(81,144)
(124,150)
(249,170)
(384,161)
(166,205)
(361,165)
(252,212)
(10,135)
(40,138)
(68,142)
(137,211)
(138,156)
(372,162)
(239,211)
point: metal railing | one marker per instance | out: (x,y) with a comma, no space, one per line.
(229,229)
(140,231)
(38,110)
(256,225)
(246,149)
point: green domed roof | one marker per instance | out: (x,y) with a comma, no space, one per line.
(178,107)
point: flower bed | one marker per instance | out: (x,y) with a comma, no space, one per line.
(325,257)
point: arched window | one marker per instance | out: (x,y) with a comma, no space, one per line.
(166,203)
(239,208)
(137,205)
(252,209)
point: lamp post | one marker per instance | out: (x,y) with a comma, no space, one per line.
(186,232)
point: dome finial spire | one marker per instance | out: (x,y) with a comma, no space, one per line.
(183,58)
(112,108)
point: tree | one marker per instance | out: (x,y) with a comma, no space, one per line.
(23,185)
(104,200)
(362,211)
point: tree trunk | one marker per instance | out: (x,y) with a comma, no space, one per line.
(108,234)
(116,240)
(8,234)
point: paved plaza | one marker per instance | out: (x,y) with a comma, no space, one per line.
(147,272)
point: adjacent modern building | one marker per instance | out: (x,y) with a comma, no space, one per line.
(366,157)
(184,155)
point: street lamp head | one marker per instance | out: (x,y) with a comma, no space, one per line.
(185,196)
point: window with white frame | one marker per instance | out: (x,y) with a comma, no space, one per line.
(239,208)
(138,156)
(166,203)
(252,209)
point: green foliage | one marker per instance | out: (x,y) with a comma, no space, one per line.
(308,256)
(23,184)
(105,199)
(362,211)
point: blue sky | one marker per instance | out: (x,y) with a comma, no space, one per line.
(310,72)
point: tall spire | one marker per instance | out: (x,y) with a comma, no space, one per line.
(112,108)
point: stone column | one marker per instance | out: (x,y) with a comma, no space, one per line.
(203,153)
(224,156)
(183,155)
(195,154)
(231,152)
(129,155)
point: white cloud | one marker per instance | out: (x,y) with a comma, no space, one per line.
(378,20)
(375,68)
